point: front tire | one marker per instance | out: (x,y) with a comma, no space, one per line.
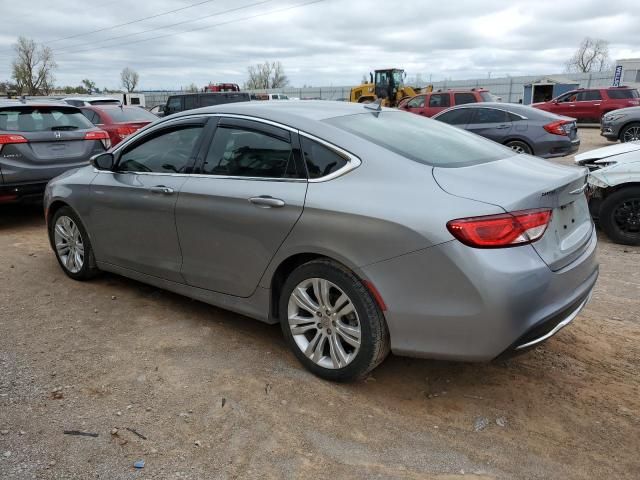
(519,147)
(620,216)
(71,245)
(331,322)
(630,133)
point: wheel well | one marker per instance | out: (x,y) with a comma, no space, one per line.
(609,190)
(282,273)
(622,128)
(53,208)
(521,141)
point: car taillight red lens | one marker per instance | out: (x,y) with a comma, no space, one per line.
(99,135)
(6,139)
(556,128)
(502,230)
(124,132)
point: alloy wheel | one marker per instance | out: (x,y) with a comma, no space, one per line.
(631,134)
(69,244)
(627,216)
(517,148)
(324,323)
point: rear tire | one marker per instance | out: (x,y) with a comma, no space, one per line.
(620,216)
(71,245)
(630,133)
(519,147)
(332,344)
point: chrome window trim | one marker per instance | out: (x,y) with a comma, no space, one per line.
(477,106)
(200,175)
(353,161)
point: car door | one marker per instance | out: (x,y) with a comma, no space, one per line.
(437,103)
(233,215)
(566,105)
(416,105)
(132,212)
(491,123)
(588,105)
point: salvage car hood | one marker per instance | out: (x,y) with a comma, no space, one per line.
(607,152)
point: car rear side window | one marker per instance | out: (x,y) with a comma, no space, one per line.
(237,152)
(439,100)
(168,151)
(92,116)
(43,119)
(420,139)
(592,95)
(489,115)
(623,93)
(458,116)
(174,104)
(320,160)
(464,98)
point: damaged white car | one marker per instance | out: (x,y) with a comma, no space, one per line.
(614,190)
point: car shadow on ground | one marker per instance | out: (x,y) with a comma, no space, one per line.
(21,215)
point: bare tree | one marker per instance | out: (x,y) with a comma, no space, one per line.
(130,79)
(591,56)
(193,88)
(266,75)
(33,67)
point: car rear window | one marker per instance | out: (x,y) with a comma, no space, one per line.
(623,93)
(464,98)
(42,119)
(104,102)
(420,139)
(133,114)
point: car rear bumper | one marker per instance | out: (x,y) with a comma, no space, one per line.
(22,192)
(557,147)
(458,303)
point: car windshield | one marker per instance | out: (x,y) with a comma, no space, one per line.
(42,119)
(133,114)
(422,140)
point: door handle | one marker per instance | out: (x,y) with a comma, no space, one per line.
(502,127)
(161,189)
(265,201)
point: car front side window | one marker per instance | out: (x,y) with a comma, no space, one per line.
(169,151)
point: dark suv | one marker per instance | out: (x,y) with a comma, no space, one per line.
(189,101)
(590,104)
(39,141)
(428,104)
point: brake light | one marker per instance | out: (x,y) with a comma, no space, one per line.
(99,135)
(502,230)
(556,128)
(124,132)
(6,139)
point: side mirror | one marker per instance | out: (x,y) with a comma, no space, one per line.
(102,161)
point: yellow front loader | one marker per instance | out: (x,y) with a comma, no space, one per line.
(387,85)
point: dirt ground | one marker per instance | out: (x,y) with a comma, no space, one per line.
(216,395)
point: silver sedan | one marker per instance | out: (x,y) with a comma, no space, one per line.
(360,230)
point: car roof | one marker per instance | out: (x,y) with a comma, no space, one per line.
(285,112)
(33,103)
(91,99)
(523,110)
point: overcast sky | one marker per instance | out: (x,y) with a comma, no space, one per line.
(331,42)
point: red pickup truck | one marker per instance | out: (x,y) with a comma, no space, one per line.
(590,104)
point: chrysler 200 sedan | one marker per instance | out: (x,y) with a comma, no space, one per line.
(360,230)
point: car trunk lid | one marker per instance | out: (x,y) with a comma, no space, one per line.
(522,182)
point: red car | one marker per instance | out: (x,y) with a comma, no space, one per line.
(590,104)
(118,121)
(428,104)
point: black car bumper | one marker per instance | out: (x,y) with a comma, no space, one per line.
(22,192)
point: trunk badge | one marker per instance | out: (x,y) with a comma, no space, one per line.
(57,134)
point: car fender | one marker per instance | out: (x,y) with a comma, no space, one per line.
(616,174)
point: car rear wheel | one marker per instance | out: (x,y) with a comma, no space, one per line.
(519,147)
(331,322)
(620,216)
(71,245)
(630,133)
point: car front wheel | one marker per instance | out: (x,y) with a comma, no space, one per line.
(620,216)
(71,245)
(630,133)
(331,322)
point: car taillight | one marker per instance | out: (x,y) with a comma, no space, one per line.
(556,128)
(99,135)
(502,230)
(124,132)
(9,139)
